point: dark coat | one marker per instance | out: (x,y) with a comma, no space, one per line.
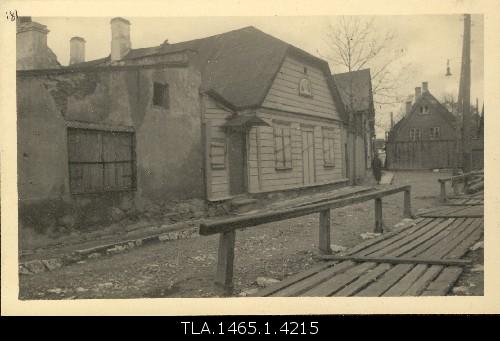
(377,168)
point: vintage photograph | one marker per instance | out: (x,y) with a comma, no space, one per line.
(240,156)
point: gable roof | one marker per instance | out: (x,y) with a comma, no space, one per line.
(238,67)
(437,108)
(358,85)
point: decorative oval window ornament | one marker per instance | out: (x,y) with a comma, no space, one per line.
(305,87)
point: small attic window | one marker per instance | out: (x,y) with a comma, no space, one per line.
(424,109)
(305,70)
(161,96)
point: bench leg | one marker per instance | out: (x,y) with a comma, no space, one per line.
(379,223)
(407,205)
(443,192)
(224,275)
(324,233)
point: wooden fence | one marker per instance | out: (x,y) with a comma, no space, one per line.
(421,154)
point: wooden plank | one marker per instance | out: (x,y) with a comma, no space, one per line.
(452,240)
(328,287)
(406,282)
(397,234)
(224,274)
(456,212)
(396,242)
(440,212)
(386,281)
(208,228)
(423,281)
(401,249)
(444,282)
(438,240)
(463,247)
(324,232)
(398,260)
(363,281)
(300,287)
(293,279)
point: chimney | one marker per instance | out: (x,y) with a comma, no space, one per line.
(408,107)
(31,45)
(76,50)
(425,87)
(120,38)
(418,92)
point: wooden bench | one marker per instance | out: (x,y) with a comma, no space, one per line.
(227,227)
(455,180)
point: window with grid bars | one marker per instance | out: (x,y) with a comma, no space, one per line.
(100,161)
(434,133)
(328,148)
(415,134)
(282,147)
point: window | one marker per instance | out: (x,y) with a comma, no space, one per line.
(161,95)
(434,133)
(218,154)
(415,134)
(328,148)
(100,161)
(424,109)
(282,147)
(305,87)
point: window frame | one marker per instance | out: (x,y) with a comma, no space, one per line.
(103,188)
(328,139)
(164,89)
(432,133)
(413,137)
(282,155)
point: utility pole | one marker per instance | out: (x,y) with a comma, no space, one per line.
(464,102)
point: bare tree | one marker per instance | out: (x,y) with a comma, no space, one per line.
(355,43)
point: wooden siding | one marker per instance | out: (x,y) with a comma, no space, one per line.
(215,118)
(284,92)
(263,175)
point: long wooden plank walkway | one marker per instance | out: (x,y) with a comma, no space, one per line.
(422,259)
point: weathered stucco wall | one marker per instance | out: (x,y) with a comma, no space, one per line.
(168,141)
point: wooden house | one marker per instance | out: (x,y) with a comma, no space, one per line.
(425,138)
(355,89)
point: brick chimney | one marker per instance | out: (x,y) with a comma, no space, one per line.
(32,51)
(425,87)
(418,92)
(120,38)
(408,107)
(76,50)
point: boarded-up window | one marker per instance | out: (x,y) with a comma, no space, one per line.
(161,96)
(100,161)
(218,154)
(328,147)
(415,134)
(283,147)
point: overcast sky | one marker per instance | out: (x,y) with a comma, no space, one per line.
(428,42)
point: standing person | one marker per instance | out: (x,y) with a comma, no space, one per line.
(377,168)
